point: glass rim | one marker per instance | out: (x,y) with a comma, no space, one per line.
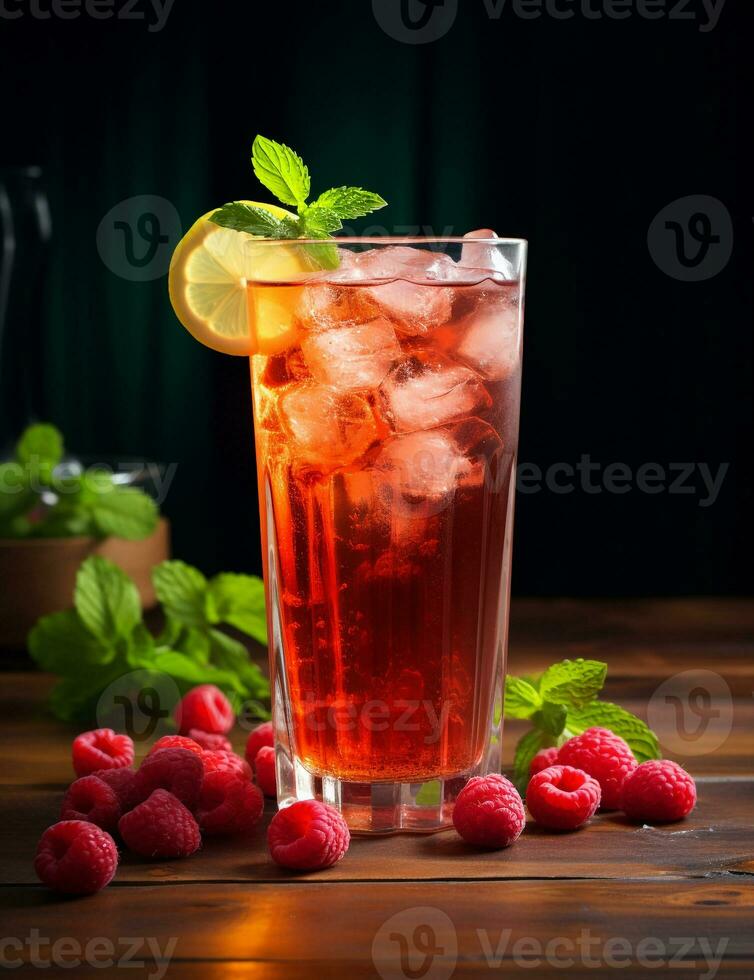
(389,240)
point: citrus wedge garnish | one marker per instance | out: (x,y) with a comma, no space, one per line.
(207,284)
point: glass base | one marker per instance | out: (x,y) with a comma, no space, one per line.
(374,808)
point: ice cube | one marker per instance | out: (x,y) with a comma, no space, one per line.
(282,369)
(416,476)
(401,261)
(410,303)
(326,426)
(422,464)
(428,390)
(415,310)
(327,305)
(352,356)
(420,472)
(489,341)
(484,452)
(486,257)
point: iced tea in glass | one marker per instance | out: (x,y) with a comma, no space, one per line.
(386,407)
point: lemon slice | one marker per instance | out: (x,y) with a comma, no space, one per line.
(207,284)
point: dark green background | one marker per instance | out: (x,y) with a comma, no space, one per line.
(572,134)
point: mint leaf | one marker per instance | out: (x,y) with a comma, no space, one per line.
(140,648)
(40,444)
(252,220)
(106,600)
(75,698)
(281,171)
(170,634)
(239,601)
(350,202)
(124,512)
(61,644)
(604,714)
(182,591)
(551,718)
(526,748)
(183,668)
(319,222)
(290,227)
(195,643)
(229,654)
(323,256)
(573,682)
(521,699)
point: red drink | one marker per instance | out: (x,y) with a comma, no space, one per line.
(386,437)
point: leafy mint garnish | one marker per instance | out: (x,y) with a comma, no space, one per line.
(38,502)
(103,638)
(562,702)
(285,174)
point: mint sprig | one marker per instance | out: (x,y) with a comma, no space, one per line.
(283,172)
(90,503)
(104,638)
(562,702)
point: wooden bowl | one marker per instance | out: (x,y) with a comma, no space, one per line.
(38,576)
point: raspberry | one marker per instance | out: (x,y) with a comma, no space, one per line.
(262,735)
(219,761)
(211,740)
(122,781)
(204,707)
(562,798)
(307,836)
(89,798)
(176,742)
(660,791)
(264,768)
(178,771)
(76,857)
(101,749)
(489,812)
(161,827)
(228,803)
(543,760)
(601,754)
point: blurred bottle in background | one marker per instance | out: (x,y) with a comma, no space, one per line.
(25,231)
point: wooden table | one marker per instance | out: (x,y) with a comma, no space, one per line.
(611,900)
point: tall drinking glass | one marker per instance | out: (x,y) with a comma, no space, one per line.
(386,407)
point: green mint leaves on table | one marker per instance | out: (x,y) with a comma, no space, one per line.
(88,503)
(562,702)
(104,638)
(283,172)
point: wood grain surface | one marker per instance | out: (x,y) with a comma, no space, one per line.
(614,899)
